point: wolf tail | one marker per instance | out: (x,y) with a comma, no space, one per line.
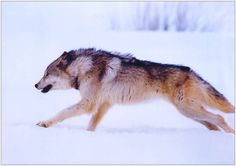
(212,98)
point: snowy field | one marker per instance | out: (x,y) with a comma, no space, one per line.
(148,133)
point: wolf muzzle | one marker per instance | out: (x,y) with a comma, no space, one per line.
(45,89)
(36,86)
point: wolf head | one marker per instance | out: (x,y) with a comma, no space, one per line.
(56,75)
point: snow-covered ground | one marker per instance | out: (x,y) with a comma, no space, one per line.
(147,133)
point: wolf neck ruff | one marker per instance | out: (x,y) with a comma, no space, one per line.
(67,59)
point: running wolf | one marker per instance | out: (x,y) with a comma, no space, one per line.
(108,78)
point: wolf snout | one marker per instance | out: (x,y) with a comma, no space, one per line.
(36,86)
(43,89)
(46,88)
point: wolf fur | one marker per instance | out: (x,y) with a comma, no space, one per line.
(106,78)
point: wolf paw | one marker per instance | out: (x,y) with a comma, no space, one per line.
(44,124)
(91,129)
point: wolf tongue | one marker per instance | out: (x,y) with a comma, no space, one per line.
(47,88)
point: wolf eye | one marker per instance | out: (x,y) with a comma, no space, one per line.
(46,74)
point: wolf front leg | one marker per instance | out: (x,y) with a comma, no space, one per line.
(97,116)
(84,106)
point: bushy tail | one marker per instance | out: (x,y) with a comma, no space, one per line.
(212,98)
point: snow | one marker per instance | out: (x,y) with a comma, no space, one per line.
(70,144)
(147,133)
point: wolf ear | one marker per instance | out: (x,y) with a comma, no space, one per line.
(67,59)
(61,66)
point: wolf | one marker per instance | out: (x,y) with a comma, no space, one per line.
(108,78)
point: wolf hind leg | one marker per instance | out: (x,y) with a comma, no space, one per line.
(209,125)
(198,113)
(96,118)
(217,120)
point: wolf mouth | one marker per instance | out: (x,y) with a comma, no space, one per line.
(47,88)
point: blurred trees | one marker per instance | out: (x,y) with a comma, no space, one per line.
(174,16)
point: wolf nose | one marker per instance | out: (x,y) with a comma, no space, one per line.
(36,85)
